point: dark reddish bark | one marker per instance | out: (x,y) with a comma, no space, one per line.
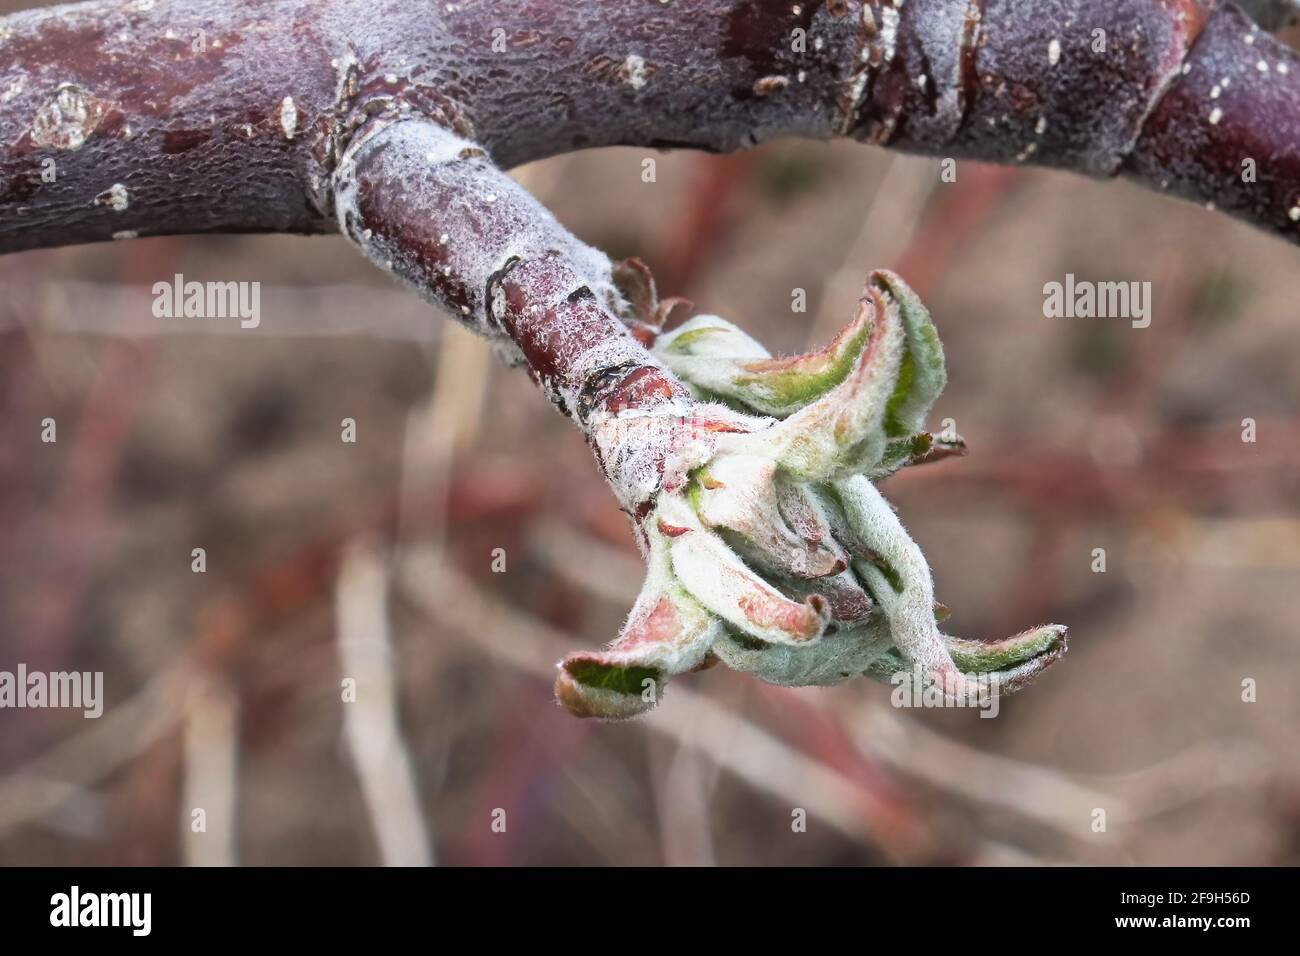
(431,207)
(114,94)
(1233,106)
(1176,99)
(197,142)
(161,116)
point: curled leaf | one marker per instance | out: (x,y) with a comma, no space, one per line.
(721,361)
(666,634)
(721,582)
(923,373)
(736,496)
(842,432)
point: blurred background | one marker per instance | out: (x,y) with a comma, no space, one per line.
(444,560)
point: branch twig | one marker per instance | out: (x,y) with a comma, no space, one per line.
(370,721)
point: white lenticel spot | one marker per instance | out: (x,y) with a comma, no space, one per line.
(13,89)
(288,117)
(1054,52)
(1216,114)
(115,197)
(635,72)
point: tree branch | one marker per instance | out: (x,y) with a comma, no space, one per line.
(430,206)
(748,478)
(161,116)
(122,118)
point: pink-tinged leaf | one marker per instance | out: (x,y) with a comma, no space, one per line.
(782,386)
(737,495)
(666,634)
(802,513)
(923,374)
(801,622)
(848,603)
(590,687)
(718,360)
(842,432)
(720,581)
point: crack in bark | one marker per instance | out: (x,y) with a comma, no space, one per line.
(971,38)
(1171,80)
